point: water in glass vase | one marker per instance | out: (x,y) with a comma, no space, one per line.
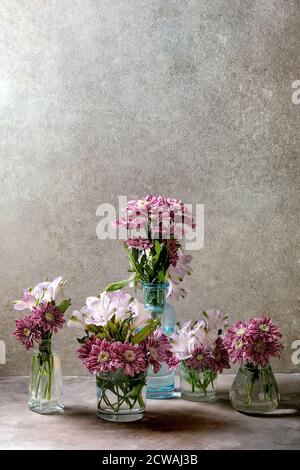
(162,384)
(45,382)
(254,390)
(121,398)
(196,384)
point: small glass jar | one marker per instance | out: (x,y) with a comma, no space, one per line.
(121,398)
(254,390)
(197,384)
(45,382)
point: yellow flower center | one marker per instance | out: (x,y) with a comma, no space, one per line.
(153,353)
(264,328)
(26,332)
(241,331)
(260,347)
(103,356)
(239,344)
(129,355)
(49,316)
(199,357)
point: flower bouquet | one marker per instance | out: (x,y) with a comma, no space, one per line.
(199,347)
(253,344)
(155,227)
(36,329)
(121,341)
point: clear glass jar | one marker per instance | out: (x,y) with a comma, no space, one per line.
(45,382)
(162,384)
(121,398)
(196,384)
(254,390)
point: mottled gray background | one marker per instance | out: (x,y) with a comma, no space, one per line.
(190,99)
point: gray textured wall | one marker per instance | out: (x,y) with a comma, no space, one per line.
(190,99)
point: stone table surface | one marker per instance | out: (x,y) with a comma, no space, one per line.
(168,424)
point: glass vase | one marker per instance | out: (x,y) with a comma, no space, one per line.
(45,382)
(254,390)
(121,398)
(196,384)
(162,384)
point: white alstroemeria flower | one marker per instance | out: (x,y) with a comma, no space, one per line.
(179,343)
(122,304)
(47,291)
(98,310)
(197,336)
(77,320)
(41,293)
(215,320)
(140,315)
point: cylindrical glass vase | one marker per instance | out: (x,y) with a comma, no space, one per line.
(254,390)
(45,382)
(197,384)
(162,384)
(121,398)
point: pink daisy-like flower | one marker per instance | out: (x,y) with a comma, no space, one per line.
(220,356)
(172,361)
(265,328)
(201,358)
(26,331)
(173,247)
(102,357)
(159,349)
(259,352)
(131,357)
(139,243)
(85,349)
(48,317)
(235,341)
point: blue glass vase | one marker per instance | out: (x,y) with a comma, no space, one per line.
(162,384)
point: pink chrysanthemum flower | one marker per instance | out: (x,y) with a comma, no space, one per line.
(235,341)
(220,356)
(172,361)
(26,331)
(159,349)
(259,352)
(48,317)
(201,358)
(131,357)
(173,247)
(85,349)
(102,357)
(265,328)
(139,243)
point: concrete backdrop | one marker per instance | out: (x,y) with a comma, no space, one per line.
(189,99)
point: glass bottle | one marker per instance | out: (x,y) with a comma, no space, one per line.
(162,384)
(45,382)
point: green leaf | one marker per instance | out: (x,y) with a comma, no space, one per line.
(146,331)
(118,285)
(64,305)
